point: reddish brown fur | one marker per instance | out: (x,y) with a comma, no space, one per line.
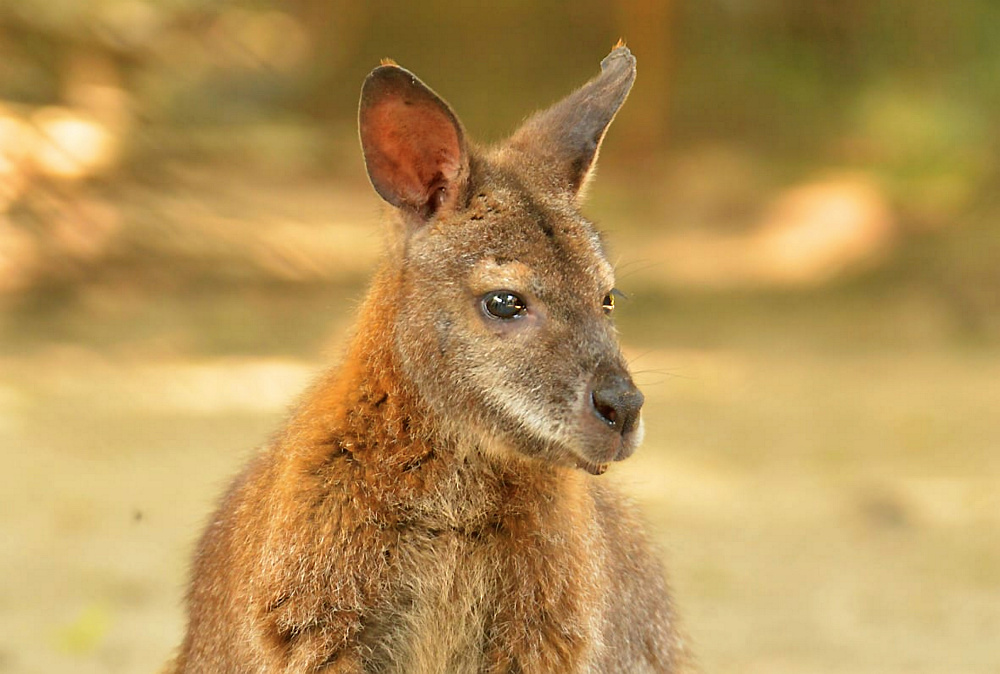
(403,522)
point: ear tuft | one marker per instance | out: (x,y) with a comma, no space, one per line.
(413,144)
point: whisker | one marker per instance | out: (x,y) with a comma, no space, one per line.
(629,268)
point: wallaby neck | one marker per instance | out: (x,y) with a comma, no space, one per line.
(365,405)
(367,413)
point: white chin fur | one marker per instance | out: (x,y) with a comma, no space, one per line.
(639,434)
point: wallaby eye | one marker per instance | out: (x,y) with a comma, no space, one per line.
(503,304)
(609,303)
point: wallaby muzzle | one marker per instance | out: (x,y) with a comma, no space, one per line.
(616,400)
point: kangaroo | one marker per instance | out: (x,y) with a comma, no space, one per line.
(434,504)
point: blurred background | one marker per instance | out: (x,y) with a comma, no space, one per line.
(802,200)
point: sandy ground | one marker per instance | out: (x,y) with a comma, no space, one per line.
(820,512)
(822,472)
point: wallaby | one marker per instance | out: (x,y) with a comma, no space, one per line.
(434,504)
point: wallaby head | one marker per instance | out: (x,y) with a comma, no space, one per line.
(502,290)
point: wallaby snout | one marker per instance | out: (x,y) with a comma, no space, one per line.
(616,400)
(612,407)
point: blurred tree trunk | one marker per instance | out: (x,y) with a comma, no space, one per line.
(648,28)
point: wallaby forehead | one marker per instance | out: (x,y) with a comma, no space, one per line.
(538,229)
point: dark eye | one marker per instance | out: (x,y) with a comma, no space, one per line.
(503,304)
(609,303)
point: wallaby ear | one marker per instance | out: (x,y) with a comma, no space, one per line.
(567,136)
(413,143)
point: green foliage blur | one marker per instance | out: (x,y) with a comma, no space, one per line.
(736,101)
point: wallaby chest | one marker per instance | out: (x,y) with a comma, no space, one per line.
(463,596)
(484,557)
(447,579)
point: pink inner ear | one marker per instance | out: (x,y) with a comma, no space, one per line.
(413,150)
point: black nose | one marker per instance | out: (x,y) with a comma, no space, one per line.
(616,400)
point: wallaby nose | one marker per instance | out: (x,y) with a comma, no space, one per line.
(616,401)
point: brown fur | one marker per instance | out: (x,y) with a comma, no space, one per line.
(426,508)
